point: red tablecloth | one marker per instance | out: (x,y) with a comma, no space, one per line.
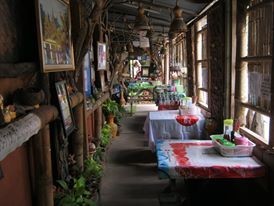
(198,159)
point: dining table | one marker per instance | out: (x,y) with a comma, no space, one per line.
(198,159)
(161,125)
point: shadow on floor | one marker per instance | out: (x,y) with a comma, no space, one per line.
(134,156)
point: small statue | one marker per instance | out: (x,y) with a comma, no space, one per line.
(7,117)
(7,114)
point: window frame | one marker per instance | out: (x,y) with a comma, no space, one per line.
(198,88)
(244,59)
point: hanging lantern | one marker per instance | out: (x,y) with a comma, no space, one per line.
(178,24)
(141,21)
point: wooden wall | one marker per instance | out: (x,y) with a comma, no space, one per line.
(17,45)
(18,31)
(15,188)
(216,35)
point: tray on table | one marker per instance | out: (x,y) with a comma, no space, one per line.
(232,151)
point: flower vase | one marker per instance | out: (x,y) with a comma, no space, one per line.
(113,126)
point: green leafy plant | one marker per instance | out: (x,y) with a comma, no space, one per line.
(120,114)
(75,194)
(105,135)
(110,107)
(93,169)
(98,155)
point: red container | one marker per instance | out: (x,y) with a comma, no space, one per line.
(187,120)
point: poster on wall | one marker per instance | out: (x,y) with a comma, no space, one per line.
(102,56)
(87,75)
(54,34)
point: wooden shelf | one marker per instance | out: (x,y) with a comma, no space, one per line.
(255,108)
(257,58)
(76,99)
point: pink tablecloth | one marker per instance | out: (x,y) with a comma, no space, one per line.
(198,159)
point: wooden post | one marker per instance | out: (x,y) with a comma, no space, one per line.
(98,124)
(77,137)
(43,171)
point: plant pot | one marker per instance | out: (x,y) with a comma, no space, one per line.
(113,126)
(122,99)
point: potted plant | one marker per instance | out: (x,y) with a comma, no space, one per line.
(105,135)
(110,107)
(110,110)
(74,194)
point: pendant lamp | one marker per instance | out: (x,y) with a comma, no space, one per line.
(178,24)
(141,21)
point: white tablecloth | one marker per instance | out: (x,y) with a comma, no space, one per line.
(163,125)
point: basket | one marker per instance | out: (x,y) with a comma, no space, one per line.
(236,151)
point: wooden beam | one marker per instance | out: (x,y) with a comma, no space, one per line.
(76,99)
(98,103)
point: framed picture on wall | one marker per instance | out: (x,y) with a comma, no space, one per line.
(145,71)
(54,35)
(101,56)
(64,107)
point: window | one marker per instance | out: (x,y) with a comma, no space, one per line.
(181,60)
(202,70)
(253,80)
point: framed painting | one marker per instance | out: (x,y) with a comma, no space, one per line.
(54,35)
(102,56)
(145,72)
(64,107)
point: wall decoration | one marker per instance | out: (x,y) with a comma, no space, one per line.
(91,55)
(102,56)
(87,75)
(145,72)
(54,34)
(64,107)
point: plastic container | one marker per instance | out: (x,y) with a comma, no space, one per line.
(236,151)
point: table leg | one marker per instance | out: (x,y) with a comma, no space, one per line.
(131,108)
(171,195)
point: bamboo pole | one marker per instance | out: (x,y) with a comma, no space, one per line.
(77,137)
(41,154)
(43,171)
(98,124)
